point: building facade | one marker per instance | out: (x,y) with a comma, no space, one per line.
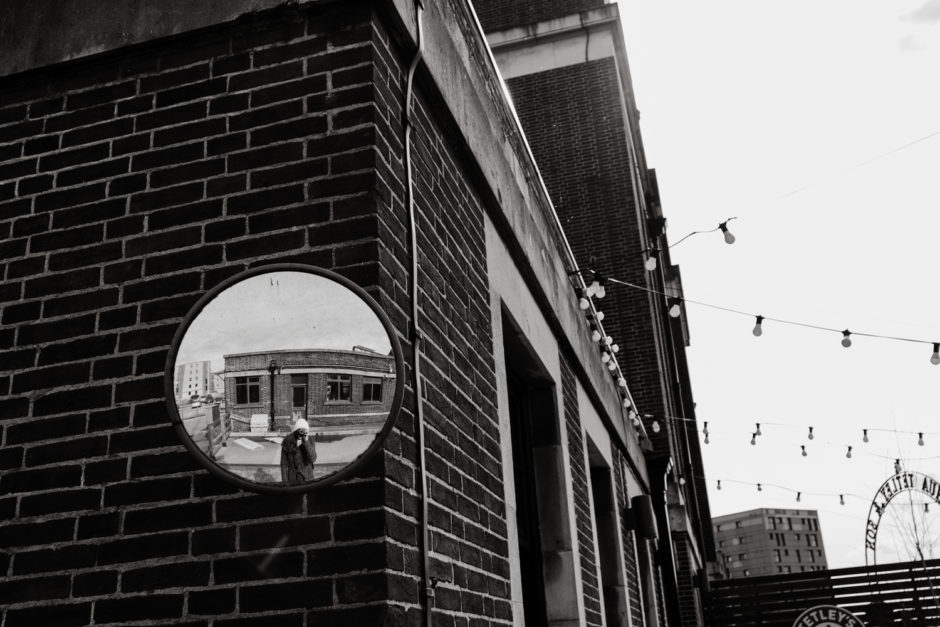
(328,388)
(150,152)
(566,67)
(193,379)
(769,541)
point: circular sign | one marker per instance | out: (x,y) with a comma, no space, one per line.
(828,616)
(903,481)
(284,378)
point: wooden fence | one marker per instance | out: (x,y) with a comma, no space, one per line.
(896,595)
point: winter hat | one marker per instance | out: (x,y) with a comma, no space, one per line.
(301,424)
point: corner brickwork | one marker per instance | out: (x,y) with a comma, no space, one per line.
(130,185)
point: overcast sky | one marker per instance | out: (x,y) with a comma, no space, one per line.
(792,116)
(280,311)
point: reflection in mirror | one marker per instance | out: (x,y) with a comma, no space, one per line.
(285,377)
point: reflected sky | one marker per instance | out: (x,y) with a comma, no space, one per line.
(284,310)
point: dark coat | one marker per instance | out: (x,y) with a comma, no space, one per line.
(294,468)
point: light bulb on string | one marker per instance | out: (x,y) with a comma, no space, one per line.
(595,333)
(865,436)
(719,484)
(841,499)
(803,448)
(935,358)
(614,348)
(583,303)
(759,489)
(705,432)
(926,508)
(758,329)
(681,480)
(798,494)
(897,466)
(608,340)
(848,453)
(621,382)
(655,426)
(600,316)
(605,357)
(597,286)
(611,365)
(846,340)
(758,429)
(675,307)
(729,237)
(627,403)
(920,439)
(753,439)
(706,438)
(810,436)
(650,263)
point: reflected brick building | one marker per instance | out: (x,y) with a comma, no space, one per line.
(329,388)
(769,542)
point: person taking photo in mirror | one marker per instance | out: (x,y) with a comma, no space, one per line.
(298,454)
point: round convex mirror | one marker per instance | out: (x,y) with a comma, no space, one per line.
(284,378)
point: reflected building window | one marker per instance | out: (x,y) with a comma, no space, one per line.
(371,390)
(247,390)
(338,388)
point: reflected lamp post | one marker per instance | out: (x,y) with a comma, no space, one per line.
(273,368)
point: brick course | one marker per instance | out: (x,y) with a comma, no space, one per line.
(133,183)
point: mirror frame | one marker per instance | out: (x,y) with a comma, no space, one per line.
(277,488)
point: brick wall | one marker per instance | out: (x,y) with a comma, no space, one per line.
(630,558)
(582,495)
(690,601)
(129,186)
(573,119)
(500,14)
(467,513)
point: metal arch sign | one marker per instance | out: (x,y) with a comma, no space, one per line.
(828,616)
(900,482)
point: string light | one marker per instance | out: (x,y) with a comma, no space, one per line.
(583,302)
(758,429)
(655,426)
(803,448)
(650,263)
(626,403)
(611,365)
(935,358)
(845,334)
(758,329)
(608,340)
(705,431)
(600,316)
(897,466)
(675,307)
(841,499)
(798,494)
(605,357)
(865,436)
(848,453)
(753,439)
(595,333)
(759,489)
(719,484)
(681,480)
(723,226)
(615,348)
(729,238)
(809,436)
(622,382)
(598,285)
(920,439)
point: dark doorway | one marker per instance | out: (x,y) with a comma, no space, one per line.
(527,517)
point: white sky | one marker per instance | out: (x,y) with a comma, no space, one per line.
(279,311)
(743,102)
